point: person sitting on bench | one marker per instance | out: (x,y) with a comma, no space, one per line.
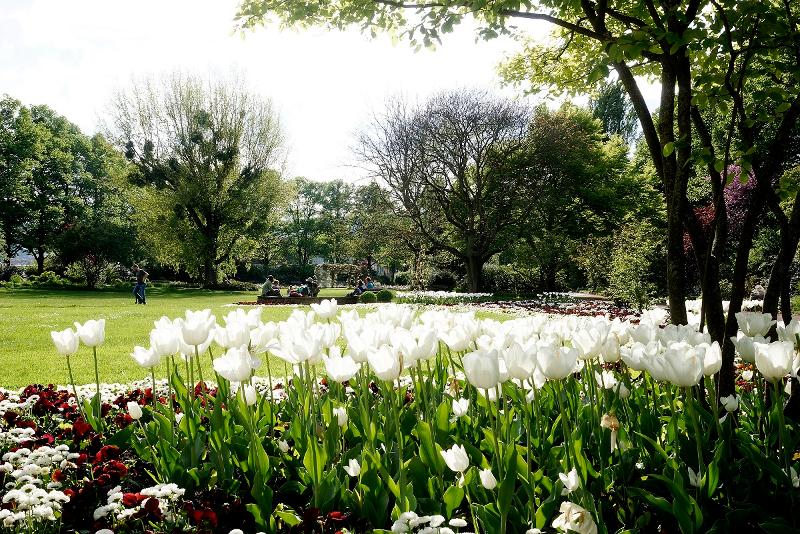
(358,290)
(271,288)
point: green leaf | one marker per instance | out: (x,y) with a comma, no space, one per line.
(452,499)
(668,149)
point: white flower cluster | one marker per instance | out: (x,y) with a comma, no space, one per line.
(166,495)
(12,402)
(27,469)
(27,466)
(426,524)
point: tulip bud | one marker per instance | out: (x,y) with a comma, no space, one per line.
(487,479)
(250,395)
(341,416)
(134,410)
(283,446)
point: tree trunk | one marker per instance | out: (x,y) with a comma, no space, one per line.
(39,261)
(474,271)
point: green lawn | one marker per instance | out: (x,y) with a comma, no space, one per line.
(27,316)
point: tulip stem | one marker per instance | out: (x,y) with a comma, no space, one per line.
(495,430)
(692,408)
(782,423)
(563,417)
(74,389)
(99,400)
(153,379)
(169,388)
(402,477)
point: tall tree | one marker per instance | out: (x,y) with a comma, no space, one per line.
(615,110)
(207,157)
(457,166)
(16,150)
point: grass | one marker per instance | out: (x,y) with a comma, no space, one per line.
(27,316)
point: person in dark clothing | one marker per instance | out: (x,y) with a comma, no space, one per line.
(141,284)
(358,290)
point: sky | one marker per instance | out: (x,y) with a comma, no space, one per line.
(73,56)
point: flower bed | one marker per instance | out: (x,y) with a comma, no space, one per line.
(411,421)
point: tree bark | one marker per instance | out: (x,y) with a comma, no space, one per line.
(474,271)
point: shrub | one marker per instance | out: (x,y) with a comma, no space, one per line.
(442,280)
(16,280)
(368,297)
(631,264)
(402,278)
(507,280)
(384,295)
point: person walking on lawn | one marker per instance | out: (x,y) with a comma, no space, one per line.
(139,288)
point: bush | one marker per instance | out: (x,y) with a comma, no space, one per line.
(507,280)
(368,297)
(16,280)
(238,285)
(442,280)
(402,278)
(384,295)
(631,264)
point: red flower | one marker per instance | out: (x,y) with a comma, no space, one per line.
(80,428)
(129,500)
(58,476)
(108,452)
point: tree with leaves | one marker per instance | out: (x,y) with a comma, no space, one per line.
(207,156)
(457,165)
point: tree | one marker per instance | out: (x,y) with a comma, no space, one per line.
(456,164)
(16,150)
(579,187)
(104,233)
(705,53)
(615,110)
(207,155)
(300,228)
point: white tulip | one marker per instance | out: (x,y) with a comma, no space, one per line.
(574,519)
(460,407)
(487,479)
(341,416)
(146,358)
(730,403)
(682,363)
(66,341)
(482,368)
(327,309)
(774,360)
(353,468)
(712,358)
(557,363)
(520,363)
(745,346)
(92,333)
(589,342)
(283,446)
(197,327)
(165,341)
(250,395)
(385,363)
(570,481)
(456,458)
(134,410)
(235,365)
(754,324)
(340,368)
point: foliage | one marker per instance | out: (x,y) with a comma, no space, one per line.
(509,280)
(636,246)
(206,157)
(384,295)
(615,110)
(368,297)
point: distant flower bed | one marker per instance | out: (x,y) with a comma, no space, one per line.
(438,297)
(410,420)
